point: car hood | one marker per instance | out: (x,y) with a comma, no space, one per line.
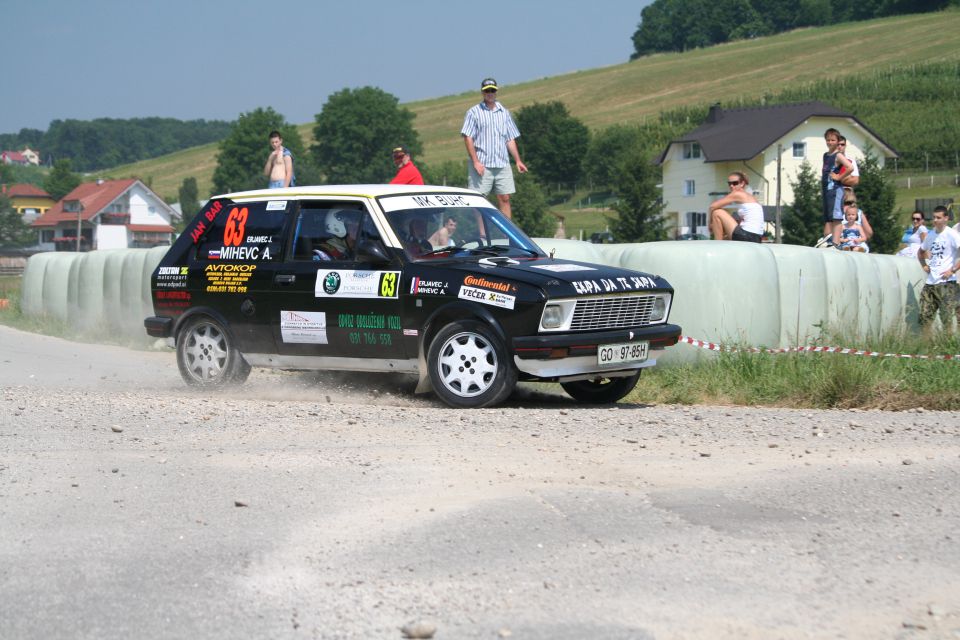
(560,278)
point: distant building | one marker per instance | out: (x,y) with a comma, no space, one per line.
(31,202)
(13,157)
(695,167)
(112,214)
(32,157)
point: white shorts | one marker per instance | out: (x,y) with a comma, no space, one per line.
(499,180)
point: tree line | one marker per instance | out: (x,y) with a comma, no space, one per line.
(107,142)
(679,25)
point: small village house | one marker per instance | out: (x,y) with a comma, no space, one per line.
(695,166)
(111,214)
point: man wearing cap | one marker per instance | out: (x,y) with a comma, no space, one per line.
(490,136)
(407,173)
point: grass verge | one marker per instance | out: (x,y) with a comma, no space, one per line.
(816,380)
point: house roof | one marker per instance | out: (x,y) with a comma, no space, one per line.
(14,156)
(741,134)
(25,191)
(94,198)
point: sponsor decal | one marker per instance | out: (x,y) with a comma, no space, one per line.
(411,332)
(367,321)
(357,284)
(172,277)
(418,286)
(276,205)
(493,298)
(475,281)
(396,203)
(201,227)
(303,327)
(607,285)
(228,278)
(565,266)
(172,295)
(331,283)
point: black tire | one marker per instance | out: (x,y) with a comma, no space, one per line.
(207,356)
(469,366)
(601,390)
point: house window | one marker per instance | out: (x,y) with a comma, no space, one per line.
(696,220)
(799,149)
(116,207)
(72,206)
(689,187)
(691,150)
(46,236)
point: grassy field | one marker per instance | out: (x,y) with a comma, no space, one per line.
(635,91)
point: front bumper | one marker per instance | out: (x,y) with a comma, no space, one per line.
(565,356)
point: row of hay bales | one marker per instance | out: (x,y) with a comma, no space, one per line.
(731,292)
(101,291)
(770,295)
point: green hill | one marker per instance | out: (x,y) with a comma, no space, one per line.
(638,90)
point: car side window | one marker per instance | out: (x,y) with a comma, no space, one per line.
(329,231)
(244,232)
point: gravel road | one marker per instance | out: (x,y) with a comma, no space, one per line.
(323,506)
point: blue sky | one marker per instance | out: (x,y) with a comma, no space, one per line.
(215,59)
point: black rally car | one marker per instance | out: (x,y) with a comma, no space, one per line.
(431,281)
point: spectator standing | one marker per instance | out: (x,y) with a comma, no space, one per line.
(723,226)
(832,189)
(914,236)
(407,172)
(490,136)
(939,257)
(279,166)
(849,178)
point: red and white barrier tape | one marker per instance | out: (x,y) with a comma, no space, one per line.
(712,346)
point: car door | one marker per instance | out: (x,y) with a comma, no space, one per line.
(329,302)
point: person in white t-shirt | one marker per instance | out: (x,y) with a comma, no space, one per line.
(939,257)
(724,226)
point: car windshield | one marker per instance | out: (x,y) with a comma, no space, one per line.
(437,232)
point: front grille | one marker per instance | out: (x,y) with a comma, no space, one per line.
(615,312)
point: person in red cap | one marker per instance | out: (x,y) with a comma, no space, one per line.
(407,173)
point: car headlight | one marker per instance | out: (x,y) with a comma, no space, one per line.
(552,317)
(659,311)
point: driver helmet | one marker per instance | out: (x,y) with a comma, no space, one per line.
(335,223)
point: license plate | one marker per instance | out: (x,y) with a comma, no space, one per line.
(622,353)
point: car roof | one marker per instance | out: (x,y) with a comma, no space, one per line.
(356,190)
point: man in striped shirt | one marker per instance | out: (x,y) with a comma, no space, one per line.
(490,135)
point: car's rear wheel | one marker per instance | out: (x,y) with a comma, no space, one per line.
(207,355)
(601,390)
(469,366)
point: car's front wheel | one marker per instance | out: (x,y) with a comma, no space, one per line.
(469,366)
(207,356)
(601,390)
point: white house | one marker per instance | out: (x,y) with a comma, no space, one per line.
(695,167)
(109,214)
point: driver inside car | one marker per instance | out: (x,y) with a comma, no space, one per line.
(341,229)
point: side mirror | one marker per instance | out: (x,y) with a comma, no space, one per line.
(371,251)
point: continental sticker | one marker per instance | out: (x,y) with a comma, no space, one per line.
(357,284)
(493,298)
(560,268)
(303,327)
(475,281)
(607,285)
